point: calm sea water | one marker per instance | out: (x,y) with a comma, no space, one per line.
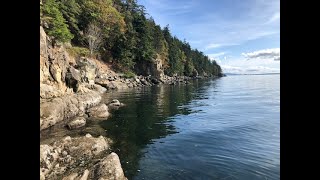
(227,128)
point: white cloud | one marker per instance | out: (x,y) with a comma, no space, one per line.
(249,70)
(264,54)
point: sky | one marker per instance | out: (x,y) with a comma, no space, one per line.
(243,36)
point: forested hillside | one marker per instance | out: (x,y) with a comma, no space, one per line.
(119,32)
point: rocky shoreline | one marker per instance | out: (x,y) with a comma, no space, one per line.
(70,94)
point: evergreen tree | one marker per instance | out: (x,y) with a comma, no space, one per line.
(57,26)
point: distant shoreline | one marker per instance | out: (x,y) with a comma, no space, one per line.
(234,74)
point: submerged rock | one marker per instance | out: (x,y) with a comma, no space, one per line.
(115,104)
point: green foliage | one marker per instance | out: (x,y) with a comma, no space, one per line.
(78,51)
(71,10)
(129,74)
(57,24)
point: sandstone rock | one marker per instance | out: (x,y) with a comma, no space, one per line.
(47,91)
(48,158)
(100,111)
(43,42)
(72,176)
(108,168)
(77,123)
(87,69)
(85,175)
(81,150)
(106,83)
(96,87)
(66,107)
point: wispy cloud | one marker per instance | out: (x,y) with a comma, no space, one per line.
(249,70)
(264,54)
(274,18)
(214,45)
(214,56)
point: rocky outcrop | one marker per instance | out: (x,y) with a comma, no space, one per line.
(96,87)
(63,108)
(88,70)
(79,158)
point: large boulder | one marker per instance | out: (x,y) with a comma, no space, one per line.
(108,168)
(65,158)
(73,78)
(58,109)
(88,70)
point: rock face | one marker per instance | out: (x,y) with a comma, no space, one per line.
(108,168)
(79,158)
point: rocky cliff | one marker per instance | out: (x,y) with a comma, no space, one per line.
(68,95)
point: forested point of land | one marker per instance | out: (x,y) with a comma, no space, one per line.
(119,32)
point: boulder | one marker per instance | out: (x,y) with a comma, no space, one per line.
(96,87)
(72,78)
(87,69)
(143,81)
(115,104)
(77,123)
(64,159)
(155,81)
(108,168)
(58,109)
(100,111)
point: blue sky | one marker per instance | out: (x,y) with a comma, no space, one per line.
(242,35)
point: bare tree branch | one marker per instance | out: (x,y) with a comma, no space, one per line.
(93,35)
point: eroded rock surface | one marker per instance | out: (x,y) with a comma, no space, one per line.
(79,158)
